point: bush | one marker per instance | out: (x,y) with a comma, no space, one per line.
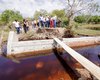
(9,15)
(80,19)
(94,19)
(1,23)
(87,18)
(64,22)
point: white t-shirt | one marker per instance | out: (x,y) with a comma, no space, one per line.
(16,24)
(47,19)
(40,18)
(55,17)
(43,19)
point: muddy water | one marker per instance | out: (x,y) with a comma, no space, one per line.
(51,67)
(40,68)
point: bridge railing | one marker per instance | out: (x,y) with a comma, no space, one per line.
(91,67)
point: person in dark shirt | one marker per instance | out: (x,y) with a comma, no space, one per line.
(25,25)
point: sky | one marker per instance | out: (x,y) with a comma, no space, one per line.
(28,7)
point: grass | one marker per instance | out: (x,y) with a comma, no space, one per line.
(89,25)
(88,29)
(88,32)
(5,33)
(5,36)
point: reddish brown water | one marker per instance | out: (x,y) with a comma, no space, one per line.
(39,68)
(52,67)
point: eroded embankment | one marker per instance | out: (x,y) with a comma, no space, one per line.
(46,33)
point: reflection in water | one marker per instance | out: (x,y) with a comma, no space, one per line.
(52,67)
(39,68)
(39,65)
(65,65)
(91,53)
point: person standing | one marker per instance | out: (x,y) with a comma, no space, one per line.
(35,23)
(17,26)
(51,23)
(55,21)
(47,21)
(41,20)
(24,26)
(44,21)
(27,25)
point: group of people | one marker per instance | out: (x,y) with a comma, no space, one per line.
(43,21)
(18,27)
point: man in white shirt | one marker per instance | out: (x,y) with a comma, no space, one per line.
(41,20)
(17,26)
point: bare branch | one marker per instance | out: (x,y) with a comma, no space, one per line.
(69,3)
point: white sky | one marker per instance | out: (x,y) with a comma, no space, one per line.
(28,7)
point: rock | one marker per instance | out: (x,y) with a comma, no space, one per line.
(85,75)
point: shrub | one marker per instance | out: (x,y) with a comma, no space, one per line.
(94,19)
(9,15)
(80,19)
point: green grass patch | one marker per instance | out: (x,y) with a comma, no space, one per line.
(89,25)
(88,29)
(88,32)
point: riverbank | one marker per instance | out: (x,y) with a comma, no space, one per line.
(49,33)
(38,34)
(51,67)
(46,33)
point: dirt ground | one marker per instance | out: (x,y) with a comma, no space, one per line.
(46,33)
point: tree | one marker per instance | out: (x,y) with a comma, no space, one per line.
(0,20)
(83,19)
(41,11)
(95,19)
(58,13)
(36,14)
(75,7)
(10,15)
(61,16)
(80,19)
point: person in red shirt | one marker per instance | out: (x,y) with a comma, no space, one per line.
(51,23)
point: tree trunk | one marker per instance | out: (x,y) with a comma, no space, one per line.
(70,23)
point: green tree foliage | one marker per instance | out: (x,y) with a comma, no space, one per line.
(86,19)
(75,7)
(64,21)
(80,19)
(94,19)
(62,16)
(58,13)
(37,13)
(0,20)
(10,15)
